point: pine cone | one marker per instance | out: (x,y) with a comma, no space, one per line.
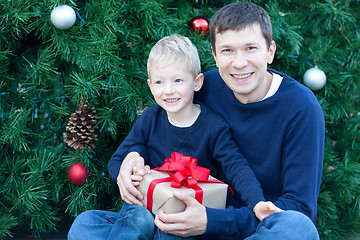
(81,128)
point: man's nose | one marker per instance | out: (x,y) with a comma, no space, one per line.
(239,60)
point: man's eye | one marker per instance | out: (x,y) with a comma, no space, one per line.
(251,48)
(226,50)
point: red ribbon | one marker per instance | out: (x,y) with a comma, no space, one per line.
(182,170)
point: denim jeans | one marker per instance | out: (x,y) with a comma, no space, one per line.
(132,222)
(136,222)
(289,225)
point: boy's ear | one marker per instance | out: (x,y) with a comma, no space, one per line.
(149,84)
(199,80)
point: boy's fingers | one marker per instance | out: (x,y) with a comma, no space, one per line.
(136,184)
(136,178)
(141,172)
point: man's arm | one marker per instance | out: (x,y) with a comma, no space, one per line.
(302,163)
(191,222)
(197,220)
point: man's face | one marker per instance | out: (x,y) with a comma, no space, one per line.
(242,58)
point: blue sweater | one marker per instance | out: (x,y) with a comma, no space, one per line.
(209,140)
(282,137)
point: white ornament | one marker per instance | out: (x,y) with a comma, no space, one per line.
(315,78)
(63,17)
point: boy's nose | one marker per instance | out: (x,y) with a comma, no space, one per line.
(169,88)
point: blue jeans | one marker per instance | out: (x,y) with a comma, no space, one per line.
(289,225)
(132,222)
(136,222)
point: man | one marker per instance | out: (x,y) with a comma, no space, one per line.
(277,124)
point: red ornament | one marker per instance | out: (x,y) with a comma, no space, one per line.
(78,173)
(199,25)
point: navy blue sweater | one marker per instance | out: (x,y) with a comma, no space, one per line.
(282,138)
(208,139)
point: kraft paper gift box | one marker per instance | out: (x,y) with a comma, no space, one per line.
(214,194)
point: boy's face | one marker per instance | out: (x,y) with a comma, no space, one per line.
(173,87)
(242,58)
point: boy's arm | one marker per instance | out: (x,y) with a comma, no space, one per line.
(129,166)
(236,168)
(264,209)
(128,155)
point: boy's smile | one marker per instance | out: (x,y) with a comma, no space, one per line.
(172,100)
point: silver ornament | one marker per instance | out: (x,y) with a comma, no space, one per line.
(315,78)
(63,17)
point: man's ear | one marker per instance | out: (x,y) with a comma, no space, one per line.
(198,82)
(214,54)
(271,52)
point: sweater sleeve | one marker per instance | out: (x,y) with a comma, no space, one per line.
(134,142)
(302,161)
(236,168)
(238,223)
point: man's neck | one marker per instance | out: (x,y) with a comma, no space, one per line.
(262,90)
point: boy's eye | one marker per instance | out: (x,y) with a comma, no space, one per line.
(178,80)
(158,82)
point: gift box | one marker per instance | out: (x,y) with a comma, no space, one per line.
(180,173)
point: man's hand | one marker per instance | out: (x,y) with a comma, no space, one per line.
(133,161)
(264,209)
(191,222)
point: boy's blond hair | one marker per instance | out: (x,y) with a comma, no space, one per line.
(174,49)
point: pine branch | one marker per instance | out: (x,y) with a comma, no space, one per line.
(7,223)
(15,132)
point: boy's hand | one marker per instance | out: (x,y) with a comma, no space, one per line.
(137,176)
(264,209)
(128,192)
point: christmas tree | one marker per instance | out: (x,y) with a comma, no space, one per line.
(71,88)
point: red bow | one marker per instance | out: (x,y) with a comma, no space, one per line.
(184,167)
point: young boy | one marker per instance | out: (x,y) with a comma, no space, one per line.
(178,124)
